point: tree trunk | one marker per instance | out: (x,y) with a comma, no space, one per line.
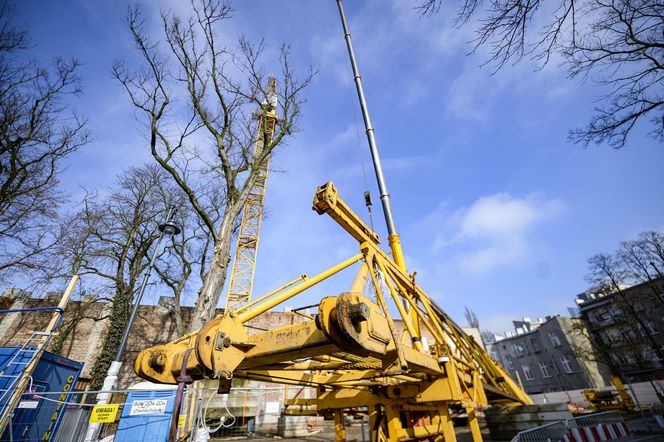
(209,294)
(117,323)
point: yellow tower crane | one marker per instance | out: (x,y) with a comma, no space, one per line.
(244,264)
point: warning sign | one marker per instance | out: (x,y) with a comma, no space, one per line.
(148,406)
(104,413)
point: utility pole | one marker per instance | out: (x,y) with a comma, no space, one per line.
(168,228)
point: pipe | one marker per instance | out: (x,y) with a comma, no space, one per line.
(273,292)
(378,168)
(276,300)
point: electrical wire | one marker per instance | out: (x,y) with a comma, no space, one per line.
(222,419)
(88,405)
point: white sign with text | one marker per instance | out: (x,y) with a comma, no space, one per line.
(148,406)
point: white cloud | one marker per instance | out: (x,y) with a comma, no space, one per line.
(493,231)
(503,215)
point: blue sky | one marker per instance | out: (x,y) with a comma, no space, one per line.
(496,209)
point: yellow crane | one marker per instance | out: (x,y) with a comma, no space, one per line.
(351,350)
(244,263)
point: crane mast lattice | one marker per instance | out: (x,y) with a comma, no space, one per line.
(244,263)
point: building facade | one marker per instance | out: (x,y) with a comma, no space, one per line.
(550,355)
(628,328)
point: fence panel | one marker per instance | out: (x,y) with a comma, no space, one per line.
(588,428)
(546,433)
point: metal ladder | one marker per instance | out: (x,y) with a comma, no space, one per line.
(32,347)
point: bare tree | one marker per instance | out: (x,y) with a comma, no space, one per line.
(640,261)
(471,317)
(197,100)
(652,243)
(180,260)
(38,129)
(109,241)
(609,275)
(619,44)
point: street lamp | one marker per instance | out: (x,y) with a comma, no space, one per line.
(168,228)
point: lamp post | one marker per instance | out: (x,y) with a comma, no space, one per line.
(168,228)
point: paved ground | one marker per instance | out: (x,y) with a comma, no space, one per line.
(353,434)
(460,438)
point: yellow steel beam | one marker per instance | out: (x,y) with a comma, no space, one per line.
(293,291)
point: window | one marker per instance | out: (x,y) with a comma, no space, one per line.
(600,316)
(652,328)
(606,338)
(510,364)
(567,366)
(526,372)
(555,340)
(534,344)
(617,314)
(544,369)
(618,358)
(518,349)
(649,354)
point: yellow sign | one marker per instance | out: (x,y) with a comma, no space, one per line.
(104,413)
(181,420)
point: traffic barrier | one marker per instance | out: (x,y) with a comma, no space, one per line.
(596,427)
(597,433)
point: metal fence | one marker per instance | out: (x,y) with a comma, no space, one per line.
(246,411)
(548,433)
(589,420)
(590,425)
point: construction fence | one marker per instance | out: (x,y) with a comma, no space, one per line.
(145,414)
(607,426)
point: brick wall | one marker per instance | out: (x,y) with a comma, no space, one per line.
(154,324)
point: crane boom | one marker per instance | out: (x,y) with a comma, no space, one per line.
(244,263)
